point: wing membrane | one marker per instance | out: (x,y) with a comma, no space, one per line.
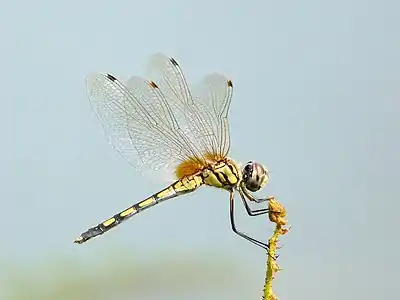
(215,93)
(206,112)
(158,124)
(139,125)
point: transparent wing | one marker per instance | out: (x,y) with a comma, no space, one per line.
(157,125)
(205,112)
(140,123)
(215,93)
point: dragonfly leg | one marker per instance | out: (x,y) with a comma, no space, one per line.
(252,198)
(233,225)
(251,212)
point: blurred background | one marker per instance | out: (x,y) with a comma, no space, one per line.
(316,100)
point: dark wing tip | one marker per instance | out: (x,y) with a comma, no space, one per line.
(153,84)
(173,61)
(230,84)
(111,77)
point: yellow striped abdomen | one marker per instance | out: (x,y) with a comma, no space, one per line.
(185,185)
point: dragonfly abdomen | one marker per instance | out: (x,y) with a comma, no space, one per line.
(180,187)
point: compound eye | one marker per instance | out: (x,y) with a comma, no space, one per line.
(254,176)
(248,167)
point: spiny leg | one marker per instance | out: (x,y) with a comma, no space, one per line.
(232,218)
(251,212)
(244,193)
(252,198)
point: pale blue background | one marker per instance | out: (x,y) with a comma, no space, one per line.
(316,99)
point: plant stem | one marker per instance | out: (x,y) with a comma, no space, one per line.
(277,214)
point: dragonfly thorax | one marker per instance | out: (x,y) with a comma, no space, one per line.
(223,174)
(255,176)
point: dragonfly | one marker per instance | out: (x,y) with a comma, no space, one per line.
(160,124)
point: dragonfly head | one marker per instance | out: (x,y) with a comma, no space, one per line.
(255,176)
